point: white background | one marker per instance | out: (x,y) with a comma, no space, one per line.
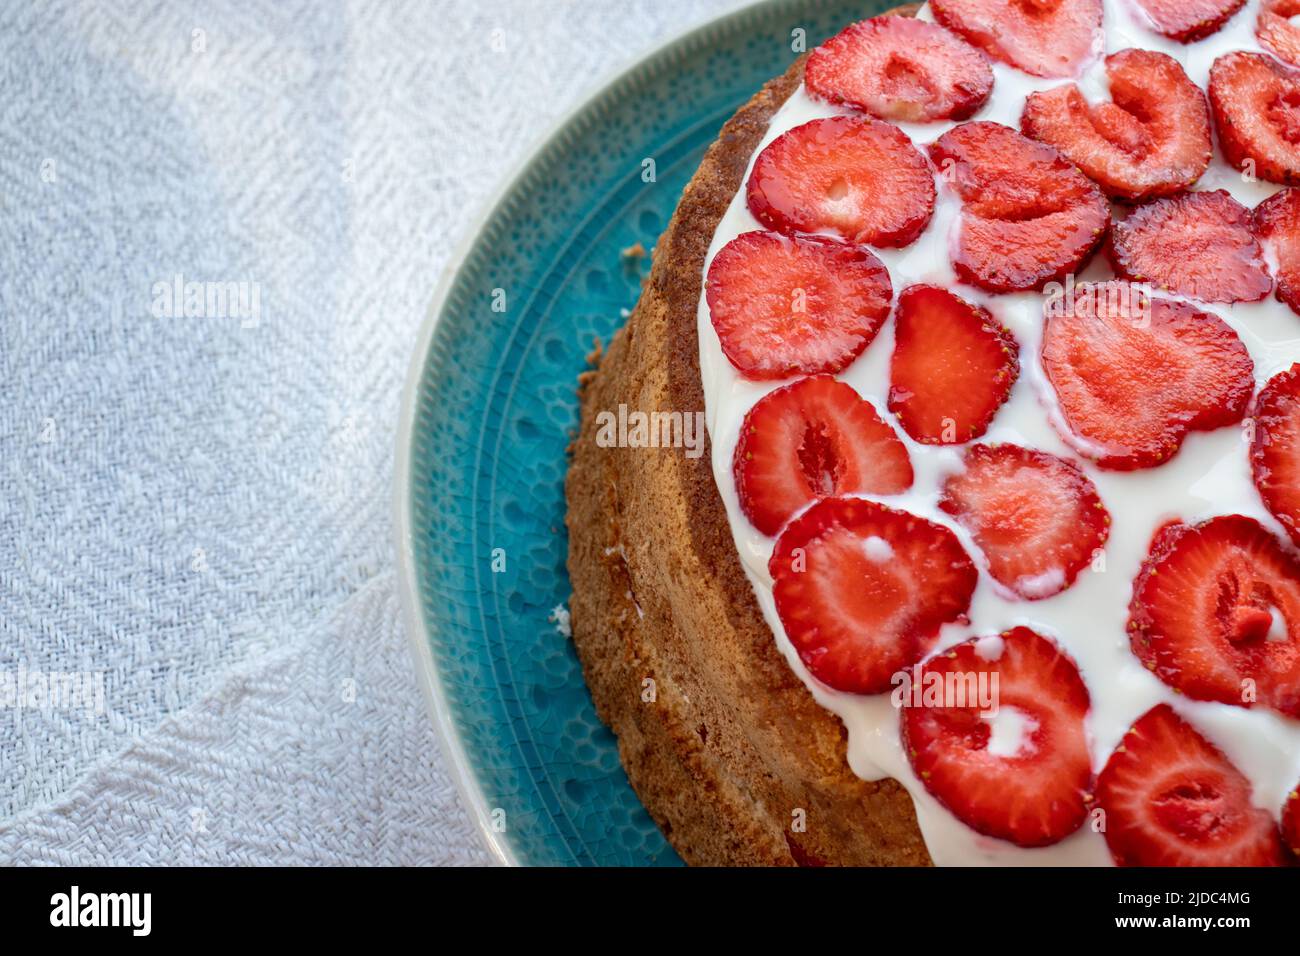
(198,507)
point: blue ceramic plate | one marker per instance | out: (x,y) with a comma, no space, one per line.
(489,407)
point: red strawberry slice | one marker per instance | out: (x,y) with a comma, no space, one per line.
(1133,374)
(1216,613)
(1276,32)
(810,440)
(900,68)
(1023,775)
(1037,518)
(1256,105)
(1291,822)
(1275,448)
(1028,215)
(1277,224)
(1172,798)
(862,590)
(856,177)
(1041,37)
(785,306)
(1151,139)
(1199,245)
(953,366)
(1189,20)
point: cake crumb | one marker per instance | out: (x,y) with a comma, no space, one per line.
(634,251)
(560,618)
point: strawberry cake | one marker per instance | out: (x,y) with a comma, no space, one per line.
(993,555)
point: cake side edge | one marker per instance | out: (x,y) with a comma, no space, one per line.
(727,749)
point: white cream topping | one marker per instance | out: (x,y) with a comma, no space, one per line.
(1209,476)
(1009,731)
(878,549)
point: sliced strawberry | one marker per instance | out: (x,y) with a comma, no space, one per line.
(1041,37)
(1151,139)
(1291,822)
(1216,613)
(785,306)
(1198,245)
(1275,448)
(862,590)
(859,178)
(1172,798)
(1133,374)
(1276,32)
(953,366)
(1277,224)
(1022,774)
(810,440)
(1028,215)
(1189,20)
(1256,104)
(1037,518)
(900,68)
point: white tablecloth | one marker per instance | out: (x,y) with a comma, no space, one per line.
(199,631)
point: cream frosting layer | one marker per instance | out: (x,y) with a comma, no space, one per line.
(1209,476)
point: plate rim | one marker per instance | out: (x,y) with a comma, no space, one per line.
(419,634)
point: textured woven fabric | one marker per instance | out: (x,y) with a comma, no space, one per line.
(220,226)
(317,752)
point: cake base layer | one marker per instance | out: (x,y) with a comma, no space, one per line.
(728,750)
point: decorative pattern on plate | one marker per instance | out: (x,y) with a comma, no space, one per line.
(494,401)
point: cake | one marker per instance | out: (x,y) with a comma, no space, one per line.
(990,555)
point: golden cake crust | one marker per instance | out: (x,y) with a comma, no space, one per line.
(721,740)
